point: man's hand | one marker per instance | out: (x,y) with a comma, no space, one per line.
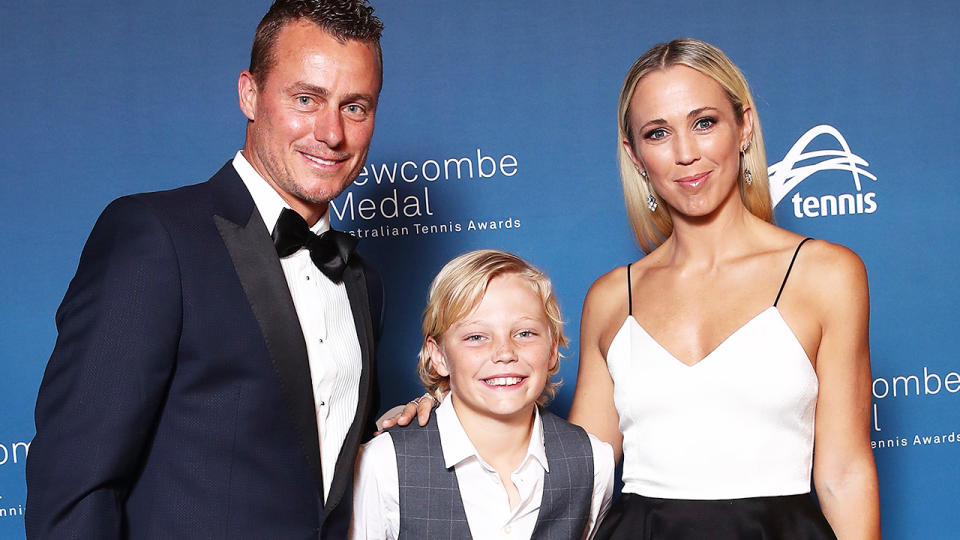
(403,414)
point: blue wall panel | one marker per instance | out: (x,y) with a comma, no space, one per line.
(101,100)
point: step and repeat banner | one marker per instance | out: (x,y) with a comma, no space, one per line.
(497,128)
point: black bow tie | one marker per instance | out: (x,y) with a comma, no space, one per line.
(330,251)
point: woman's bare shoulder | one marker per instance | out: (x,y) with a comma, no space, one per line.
(607,296)
(608,281)
(833,261)
(825,263)
(831,272)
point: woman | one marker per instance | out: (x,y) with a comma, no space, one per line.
(717,361)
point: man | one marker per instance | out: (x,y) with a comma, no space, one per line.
(210,381)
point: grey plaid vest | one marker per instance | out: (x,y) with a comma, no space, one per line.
(430,503)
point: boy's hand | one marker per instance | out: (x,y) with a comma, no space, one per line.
(403,414)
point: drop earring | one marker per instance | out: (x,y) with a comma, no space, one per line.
(652,202)
(747,176)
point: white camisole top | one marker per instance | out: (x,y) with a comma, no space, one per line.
(739,423)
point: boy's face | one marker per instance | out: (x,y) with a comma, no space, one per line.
(498,356)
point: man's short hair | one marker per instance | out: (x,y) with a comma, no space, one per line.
(343,19)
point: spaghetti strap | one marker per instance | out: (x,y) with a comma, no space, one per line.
(629,293)
(784,284)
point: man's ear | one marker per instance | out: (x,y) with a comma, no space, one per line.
(437,358)
(247,91)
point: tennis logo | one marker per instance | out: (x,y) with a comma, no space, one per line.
(800,163)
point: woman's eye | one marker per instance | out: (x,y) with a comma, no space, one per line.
(656,134)
(526,333)
(474,337)
(705,123)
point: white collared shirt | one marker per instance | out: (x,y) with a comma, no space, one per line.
(325,317)
(376,496)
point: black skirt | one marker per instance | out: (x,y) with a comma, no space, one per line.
(790,517)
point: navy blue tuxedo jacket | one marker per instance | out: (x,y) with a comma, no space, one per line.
(177,403)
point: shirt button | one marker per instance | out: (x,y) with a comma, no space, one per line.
(323,403)
(320,339)
(308,278)
(507,529)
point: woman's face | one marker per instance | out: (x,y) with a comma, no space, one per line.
(687,138)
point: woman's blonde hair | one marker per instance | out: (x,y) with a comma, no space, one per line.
(652,228)
(458,289)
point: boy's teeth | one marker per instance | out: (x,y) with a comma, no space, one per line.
(504,381)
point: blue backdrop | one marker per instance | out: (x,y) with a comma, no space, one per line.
(497,128)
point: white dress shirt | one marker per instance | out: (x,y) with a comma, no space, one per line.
(325,317)
(376,496)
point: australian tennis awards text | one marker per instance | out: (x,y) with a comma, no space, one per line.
(408,183)
(923,384)
(8,509)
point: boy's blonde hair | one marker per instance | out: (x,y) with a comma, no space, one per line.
(459,287)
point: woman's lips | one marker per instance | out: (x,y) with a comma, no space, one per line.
(693,181)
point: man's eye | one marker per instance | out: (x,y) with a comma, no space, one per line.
(355,109)
(304,100)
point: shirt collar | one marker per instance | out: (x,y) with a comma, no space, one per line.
(269,203)
(457,446)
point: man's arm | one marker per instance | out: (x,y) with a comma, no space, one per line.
(118,330)
(377,308)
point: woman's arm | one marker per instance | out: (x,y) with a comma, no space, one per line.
(593,408)
(844,472)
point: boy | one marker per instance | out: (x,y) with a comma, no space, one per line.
(490,463)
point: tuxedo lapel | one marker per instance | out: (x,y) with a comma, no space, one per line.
(258,268)
(355,283)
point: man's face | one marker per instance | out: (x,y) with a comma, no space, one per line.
(312,119)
